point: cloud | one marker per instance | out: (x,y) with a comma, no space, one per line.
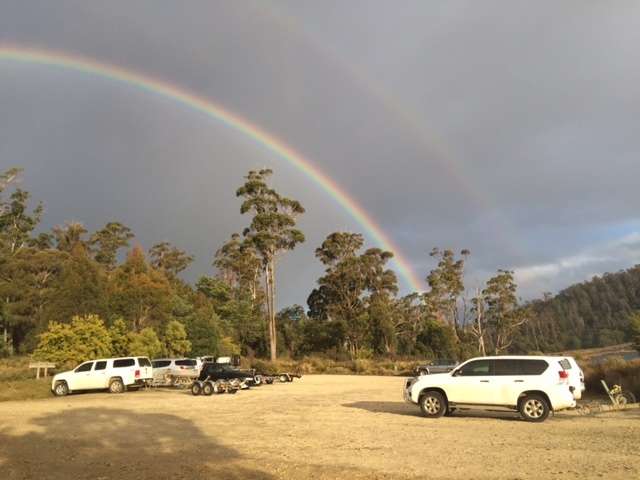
(618,254)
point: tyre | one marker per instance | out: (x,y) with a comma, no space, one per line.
(283,378)
(207,389)
(217,388)
(116,386)
(196,388)
(61,389)
(449,412)
(232,391)
(534,408)
(433,404)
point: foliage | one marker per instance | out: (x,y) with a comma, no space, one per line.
(175,339)
(119,338)
(168,258)
(635,330)
(84,338)
(145,343)
(106,242)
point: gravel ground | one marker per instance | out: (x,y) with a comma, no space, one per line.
(320,427)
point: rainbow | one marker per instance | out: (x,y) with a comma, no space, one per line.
(21,54)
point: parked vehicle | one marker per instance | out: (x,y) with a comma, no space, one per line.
(114,374)
(531,385)
(435,367)
(174,371)
(222,371)
(576,376)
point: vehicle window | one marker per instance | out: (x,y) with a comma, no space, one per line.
(187,362)
(477,368)
(144,362)
(101,365)
(123,362)
(85,367)
(160,363)
(506,367)
(566,364)
(532,367)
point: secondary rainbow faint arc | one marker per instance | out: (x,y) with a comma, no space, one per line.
(203,105)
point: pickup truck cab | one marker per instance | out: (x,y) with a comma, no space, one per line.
(114,374)
(531,385)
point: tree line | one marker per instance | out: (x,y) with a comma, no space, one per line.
(62,288)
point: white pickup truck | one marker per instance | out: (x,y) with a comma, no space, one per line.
(114,374)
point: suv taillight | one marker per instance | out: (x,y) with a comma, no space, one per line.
(137,374)
(564,375)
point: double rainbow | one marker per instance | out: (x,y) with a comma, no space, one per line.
(21,54)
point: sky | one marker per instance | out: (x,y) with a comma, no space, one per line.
(504,127)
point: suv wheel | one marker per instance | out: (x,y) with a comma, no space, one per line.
(534,408)
(433,404)
(61,389)
(116,386)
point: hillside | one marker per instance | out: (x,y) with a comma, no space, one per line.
(591,314)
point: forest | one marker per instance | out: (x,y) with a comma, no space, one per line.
(69,294)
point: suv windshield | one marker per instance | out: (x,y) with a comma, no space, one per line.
(187,362)
(476,368)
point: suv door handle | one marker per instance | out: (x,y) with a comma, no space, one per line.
(519,381)
(484,381)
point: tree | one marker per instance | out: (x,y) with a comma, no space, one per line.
(70,235)
(16,223)
(238,265)
(175,339)
(502,313)
(203,329)
(351,285)
(272,232)
(107,241)
(168,258)
(85,338)
(145,343)
(119,338)
(446,286)
(140,294)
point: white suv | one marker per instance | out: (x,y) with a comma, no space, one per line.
(115,374)
(534,386)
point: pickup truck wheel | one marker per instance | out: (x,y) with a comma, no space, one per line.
(207,389)
(116,386)
(433,404)
(196,388)
(534,408)
(61,389)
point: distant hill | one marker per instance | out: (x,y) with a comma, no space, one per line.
(591,314)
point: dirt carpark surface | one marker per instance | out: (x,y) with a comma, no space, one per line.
(318,427)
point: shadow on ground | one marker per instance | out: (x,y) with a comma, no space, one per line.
(401,408)
(117,444)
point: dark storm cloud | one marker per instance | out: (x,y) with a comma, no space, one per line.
(509,128)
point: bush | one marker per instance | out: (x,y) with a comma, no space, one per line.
(615,371)
(175,339)
(145,343)
(84,338)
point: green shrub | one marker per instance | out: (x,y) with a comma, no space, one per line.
(86,337)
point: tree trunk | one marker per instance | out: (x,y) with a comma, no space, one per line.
(270,284)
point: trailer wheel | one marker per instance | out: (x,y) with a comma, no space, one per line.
(283,378)
(196,388)
(207,389)
(232,391)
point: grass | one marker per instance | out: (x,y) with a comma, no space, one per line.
(17,381)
